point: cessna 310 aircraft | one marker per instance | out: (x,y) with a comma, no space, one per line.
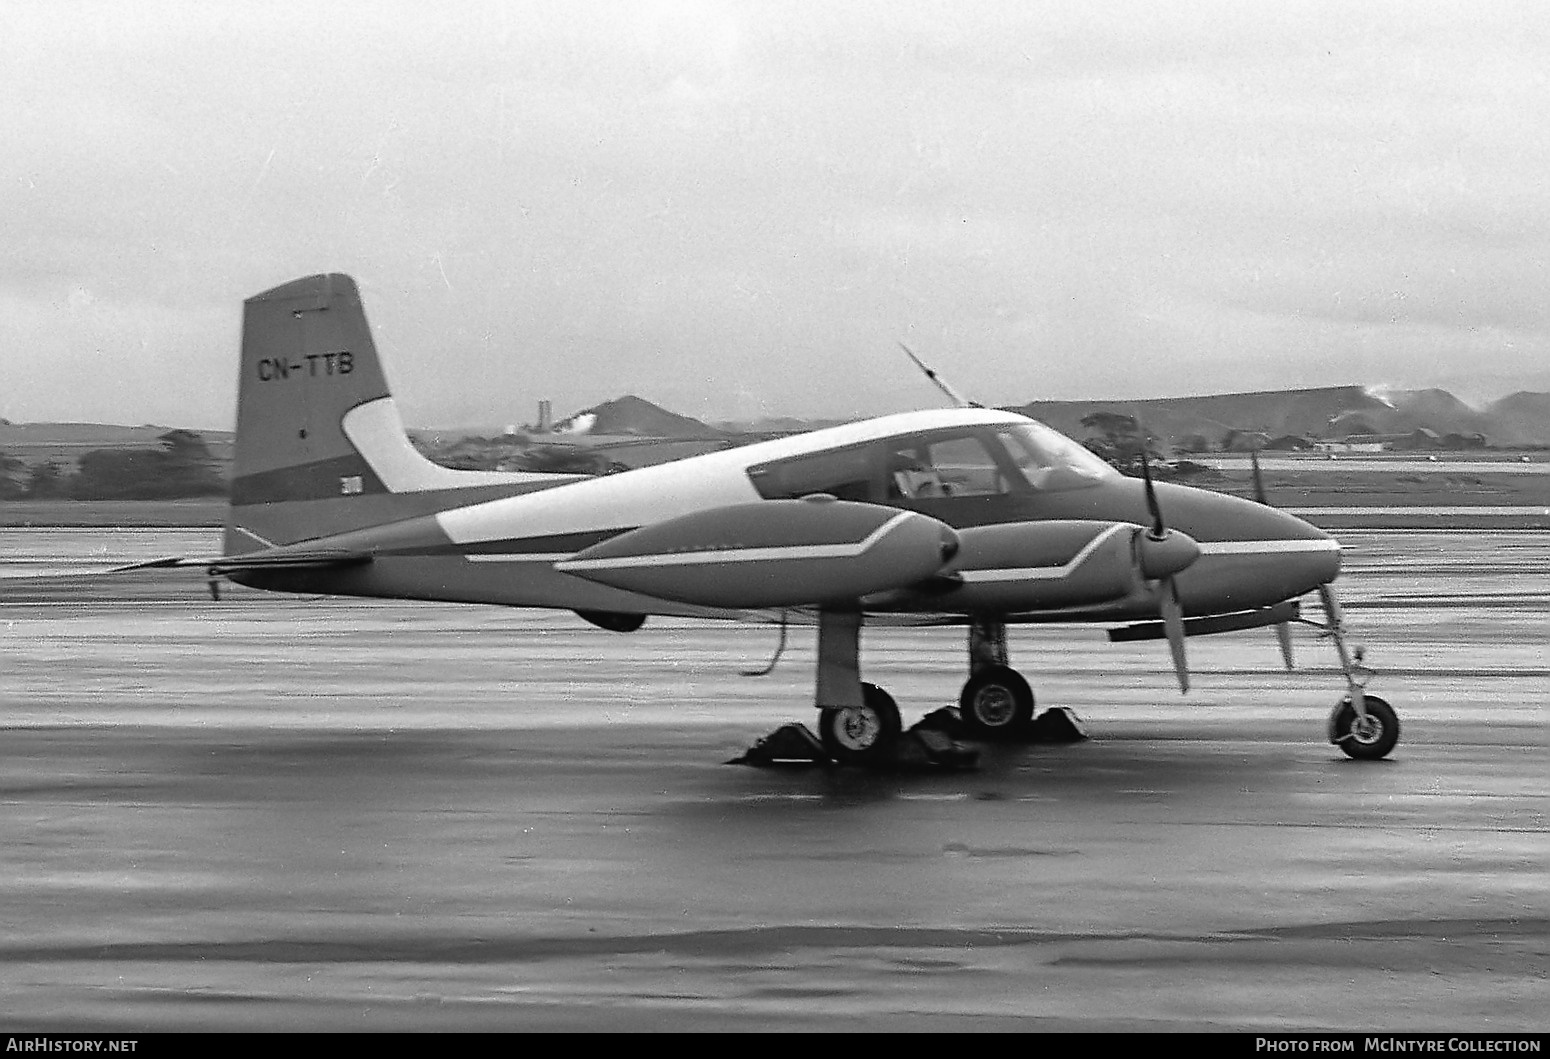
(963,515)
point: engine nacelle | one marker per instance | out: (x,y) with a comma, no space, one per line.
(1023,566)
(772,553)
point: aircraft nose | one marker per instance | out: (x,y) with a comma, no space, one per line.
(1252,555)
(1315,553)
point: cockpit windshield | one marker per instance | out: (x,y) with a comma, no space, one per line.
(1049,460)
(990,460)
(986,460)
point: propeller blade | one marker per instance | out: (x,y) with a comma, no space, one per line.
(1284,636)
(1283,630)
(1259,478)
(941,384)
(1159,530)
(1173,624)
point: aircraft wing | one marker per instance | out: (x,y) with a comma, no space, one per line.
(899,566)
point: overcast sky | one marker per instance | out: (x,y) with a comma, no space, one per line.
(741,209)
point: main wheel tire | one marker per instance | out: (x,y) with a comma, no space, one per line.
(997,703)
(1369,740)
(861,734)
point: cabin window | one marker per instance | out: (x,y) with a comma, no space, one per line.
(846,474)
(929,469)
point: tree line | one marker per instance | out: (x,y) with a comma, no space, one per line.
(181,468)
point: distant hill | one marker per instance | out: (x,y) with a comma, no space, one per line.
(776,425)
(637,416)
(1523,415)
(1334,411)
(1521,418)
(1272,412)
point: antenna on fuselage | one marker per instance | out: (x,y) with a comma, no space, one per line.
(953,395)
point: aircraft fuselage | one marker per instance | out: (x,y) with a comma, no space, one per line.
(503,550)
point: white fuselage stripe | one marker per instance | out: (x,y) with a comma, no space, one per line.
(254,536)
(1267,547)
(377,432)
(654,494)
(519,557)
(738,555)
(1051,573)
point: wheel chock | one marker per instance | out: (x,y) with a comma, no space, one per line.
(940,749)
(790,744)
(1056,725)
(947,721)
(794,744)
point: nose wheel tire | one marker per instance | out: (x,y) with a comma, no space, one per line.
(860,734)
(1369,738)
(996,703)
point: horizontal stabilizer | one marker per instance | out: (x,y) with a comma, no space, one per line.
(1246,619)
(278,559)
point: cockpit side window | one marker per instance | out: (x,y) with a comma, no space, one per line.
(928,468)
(847,474)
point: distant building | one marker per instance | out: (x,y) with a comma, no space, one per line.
(1245,441)
(1290,443)
(1420,438)
(1354,443)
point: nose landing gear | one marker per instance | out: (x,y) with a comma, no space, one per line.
(1369,736)
(1364,726)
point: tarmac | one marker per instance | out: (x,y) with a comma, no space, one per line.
(271,813)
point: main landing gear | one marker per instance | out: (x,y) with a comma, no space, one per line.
(1363,726)
(861,733)
(996,702)
(858,723)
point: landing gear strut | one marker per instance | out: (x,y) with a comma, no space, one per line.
(1363,726)
(996,702)
(857,723)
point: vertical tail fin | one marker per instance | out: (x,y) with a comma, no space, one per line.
(320,446)
(307,362)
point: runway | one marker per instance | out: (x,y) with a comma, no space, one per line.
(275,813)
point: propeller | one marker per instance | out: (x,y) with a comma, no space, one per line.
(1283,630)
(1162,553)
(1259,478)
(953,395)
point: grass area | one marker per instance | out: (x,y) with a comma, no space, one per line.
(131,513)
(1325,485)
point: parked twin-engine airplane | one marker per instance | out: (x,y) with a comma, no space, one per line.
(966,515)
